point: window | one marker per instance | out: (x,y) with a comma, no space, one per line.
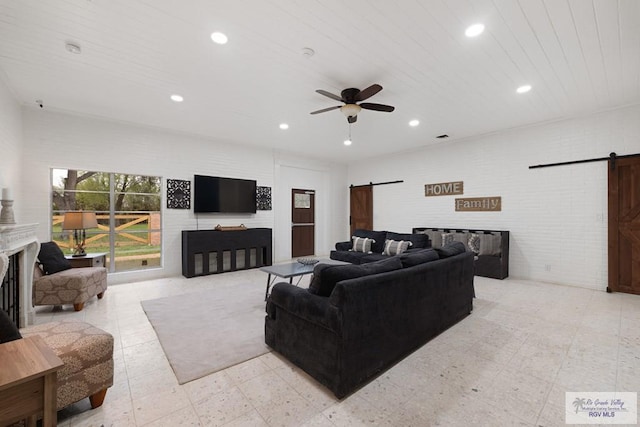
(127,208)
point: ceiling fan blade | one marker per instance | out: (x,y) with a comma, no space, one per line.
(377,107)
(352,119)
(329,94)
(326,109)
(368,92)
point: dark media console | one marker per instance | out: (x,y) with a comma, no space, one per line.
(210,251)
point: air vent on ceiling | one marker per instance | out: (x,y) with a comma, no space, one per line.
(443,136)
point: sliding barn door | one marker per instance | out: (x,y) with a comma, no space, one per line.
(361,208)
(624,225)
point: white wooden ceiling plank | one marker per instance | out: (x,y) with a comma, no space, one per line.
(583,15)
(517,39)
(629,18)
(538,18)
(608,27)
(563,24)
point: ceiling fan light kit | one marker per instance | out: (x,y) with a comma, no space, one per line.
(350,110)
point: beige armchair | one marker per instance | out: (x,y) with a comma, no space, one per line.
(73,286)
(87,353)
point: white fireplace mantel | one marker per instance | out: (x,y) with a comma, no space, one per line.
(21,239)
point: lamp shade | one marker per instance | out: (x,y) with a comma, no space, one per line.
(79,220)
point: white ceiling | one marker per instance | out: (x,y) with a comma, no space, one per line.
(580,56)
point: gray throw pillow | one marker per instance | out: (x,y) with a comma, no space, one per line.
(395,247)
(490,244)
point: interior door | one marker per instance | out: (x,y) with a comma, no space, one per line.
(302,223)
(624,225)
(361,207)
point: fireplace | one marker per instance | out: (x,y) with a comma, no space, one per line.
(19,244)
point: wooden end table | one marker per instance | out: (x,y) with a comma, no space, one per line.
(89,260)
(28,382)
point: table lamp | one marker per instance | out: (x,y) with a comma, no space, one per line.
(78,222)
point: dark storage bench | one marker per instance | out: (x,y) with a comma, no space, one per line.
(492,248)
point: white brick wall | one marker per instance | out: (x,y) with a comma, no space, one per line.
(56,140)
(557,216)
(10,145)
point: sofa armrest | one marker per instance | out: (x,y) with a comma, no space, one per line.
(343,246)
(300,302)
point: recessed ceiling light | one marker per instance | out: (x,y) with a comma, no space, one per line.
(177,98)
(524,89)
(474,30)
(284,126)
(73,48)
(219,38)
(414,123)
(347,142)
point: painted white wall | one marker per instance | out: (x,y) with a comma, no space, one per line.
(328,181)
(10,146)
(557,216)
(58,140)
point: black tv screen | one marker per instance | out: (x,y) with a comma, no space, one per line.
(225,195)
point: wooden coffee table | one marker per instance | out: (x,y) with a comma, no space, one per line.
(291,270)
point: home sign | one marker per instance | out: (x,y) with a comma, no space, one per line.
(444,189)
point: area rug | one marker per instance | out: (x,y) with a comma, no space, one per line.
(204,332)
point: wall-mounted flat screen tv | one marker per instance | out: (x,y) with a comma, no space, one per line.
(224,195)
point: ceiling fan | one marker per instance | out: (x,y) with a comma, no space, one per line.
(352,95)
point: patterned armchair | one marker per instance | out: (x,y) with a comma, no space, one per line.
(56,283)
(87,353)
(73,286)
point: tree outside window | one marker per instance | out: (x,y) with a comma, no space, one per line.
(128,211)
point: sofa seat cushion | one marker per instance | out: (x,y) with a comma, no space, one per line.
(326,277)
(350,256)
(412,258)
(87,353)
(378,236)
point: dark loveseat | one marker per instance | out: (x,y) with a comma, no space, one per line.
(491,247)
(345,253)
(346,335)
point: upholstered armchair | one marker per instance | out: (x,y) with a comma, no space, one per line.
(56,283)
(86,351)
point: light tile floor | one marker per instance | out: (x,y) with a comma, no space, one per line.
(509,363)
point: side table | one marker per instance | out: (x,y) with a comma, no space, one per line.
(28,382)
(89,260)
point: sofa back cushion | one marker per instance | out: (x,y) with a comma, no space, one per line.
(326,276)
(409,259)
(451,249)
(418,240)
(378,236)
(52,258)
